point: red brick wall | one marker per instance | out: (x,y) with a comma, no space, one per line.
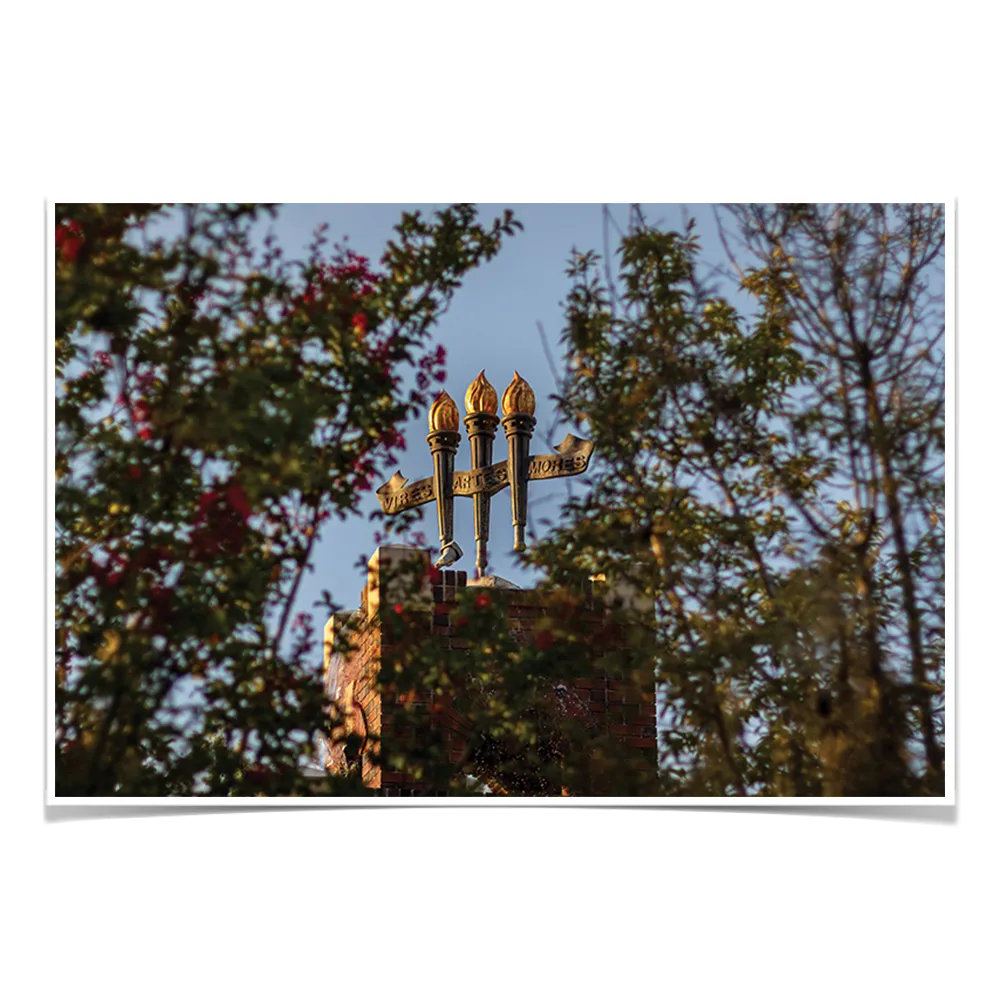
(615,706)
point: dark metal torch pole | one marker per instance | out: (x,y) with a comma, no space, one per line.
(444,445)
(481,428)
(518,428)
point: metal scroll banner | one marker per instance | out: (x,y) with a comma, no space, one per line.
(486,478)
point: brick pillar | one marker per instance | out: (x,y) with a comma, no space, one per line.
(612,704)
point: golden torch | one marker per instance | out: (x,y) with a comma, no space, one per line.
(444,439)
(481,425)
(518,423)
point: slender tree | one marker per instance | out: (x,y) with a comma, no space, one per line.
(774,482)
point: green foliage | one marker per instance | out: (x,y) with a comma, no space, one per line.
(775,485)
(215,405)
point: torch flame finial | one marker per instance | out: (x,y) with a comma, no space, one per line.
(481,397)
(443,415)
(519,397)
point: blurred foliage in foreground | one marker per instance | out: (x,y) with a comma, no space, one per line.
(215,404)
(768,473)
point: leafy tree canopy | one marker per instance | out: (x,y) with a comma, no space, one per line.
(769,478)
(215,404)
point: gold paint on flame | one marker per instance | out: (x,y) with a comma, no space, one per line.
(443,415)
(518,397)
(481,397)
